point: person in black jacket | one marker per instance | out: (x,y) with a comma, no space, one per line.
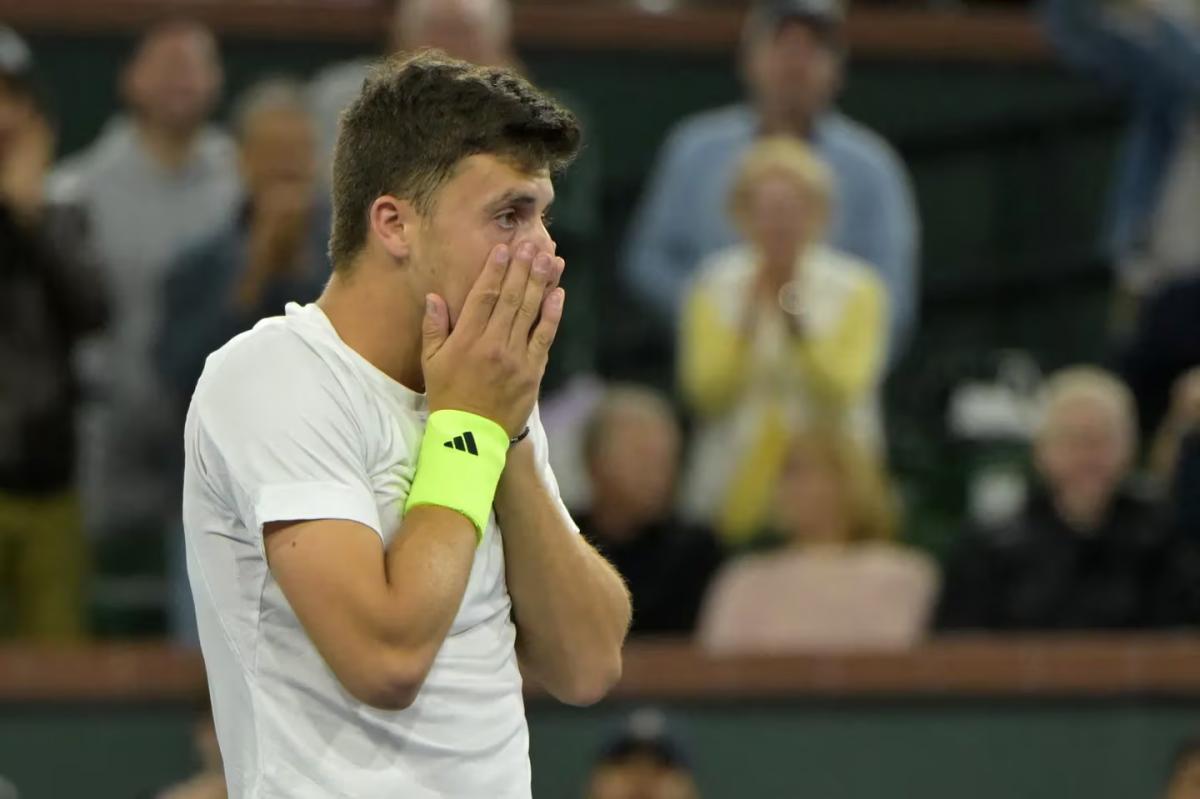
(1086,551)
(632,448)
(49,299)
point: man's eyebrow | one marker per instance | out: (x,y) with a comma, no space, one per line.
(516,197)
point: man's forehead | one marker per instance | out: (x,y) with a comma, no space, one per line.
(491,178)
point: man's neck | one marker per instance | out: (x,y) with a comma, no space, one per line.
(171,149)
(378,321)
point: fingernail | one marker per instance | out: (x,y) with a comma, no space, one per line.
(430,305)
(502,255)
(525,251)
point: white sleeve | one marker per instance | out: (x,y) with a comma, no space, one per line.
(280,432)
(541,452)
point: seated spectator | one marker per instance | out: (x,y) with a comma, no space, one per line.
(1184,780)
(642,762)
(793,57)
(50,296)
(1148,51)
(1086,551)
(271,253)
(153,181)
(837,583)
(778,334)
(631,447)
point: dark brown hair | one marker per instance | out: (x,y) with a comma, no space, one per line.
(417,117)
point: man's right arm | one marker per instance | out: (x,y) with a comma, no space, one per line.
(378,622)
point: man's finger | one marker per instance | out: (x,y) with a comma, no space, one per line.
(435,327)
(512,293)
(547,328)
(482,299)
(540,277)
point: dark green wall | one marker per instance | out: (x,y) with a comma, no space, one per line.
(1114,749)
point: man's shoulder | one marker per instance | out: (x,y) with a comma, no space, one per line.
(849,143)
(730,126)
(271,358)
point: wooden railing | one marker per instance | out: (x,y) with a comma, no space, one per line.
(1087,667)
(1002,35)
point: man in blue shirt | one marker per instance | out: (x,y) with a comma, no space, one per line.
(793,60)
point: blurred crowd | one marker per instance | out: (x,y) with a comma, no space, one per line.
(777,244)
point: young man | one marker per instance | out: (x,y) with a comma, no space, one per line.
(361,608)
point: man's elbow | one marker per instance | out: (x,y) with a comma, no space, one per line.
(390,683)
(591,682)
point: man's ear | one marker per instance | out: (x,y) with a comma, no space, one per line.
(394,223)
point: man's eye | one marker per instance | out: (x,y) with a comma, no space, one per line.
(547,220)
(507,220)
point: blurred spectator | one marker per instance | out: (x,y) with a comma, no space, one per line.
(274,251)
(50,296)
(632,447)
(1184,781)
(152,182)
(642,762)
(1086,551)
(839,583)
(1148,49)
(778,334)
(480,31)
(793,57)
(1165,344)
(1186,487)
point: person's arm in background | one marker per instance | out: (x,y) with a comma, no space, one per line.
(72,273)
(199,315)
(889,230)
(1133,45)
(713,355)
(845,364)
(659,256)
(571,608)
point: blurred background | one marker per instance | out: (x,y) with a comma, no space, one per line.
(879,380)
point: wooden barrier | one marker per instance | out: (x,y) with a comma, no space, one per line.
(1094,667)
(1000,35)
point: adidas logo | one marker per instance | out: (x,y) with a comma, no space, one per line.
(463,443)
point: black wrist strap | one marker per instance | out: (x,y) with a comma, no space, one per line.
(512,442)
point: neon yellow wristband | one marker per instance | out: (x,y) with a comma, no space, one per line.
(462,456)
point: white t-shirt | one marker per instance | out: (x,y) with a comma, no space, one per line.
(288,422)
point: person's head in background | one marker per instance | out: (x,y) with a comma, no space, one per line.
(173,81)
(478,31)
(642,762)
(780,200)
(792,61)
(1085,443)
(1184,780)
(832,493)
(277,143)
(631,449)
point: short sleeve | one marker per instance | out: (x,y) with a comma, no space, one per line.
(277,425)
(541,450)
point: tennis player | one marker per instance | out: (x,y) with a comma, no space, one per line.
(375,540)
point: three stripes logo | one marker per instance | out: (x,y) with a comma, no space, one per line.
(463,443)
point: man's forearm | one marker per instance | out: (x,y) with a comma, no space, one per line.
(571,607)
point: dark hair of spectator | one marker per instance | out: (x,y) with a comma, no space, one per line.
(417,117)
(1185,753)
